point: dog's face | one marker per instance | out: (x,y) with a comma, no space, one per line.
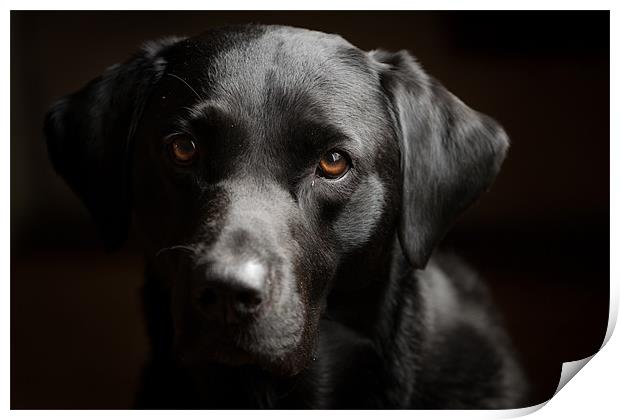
(253,176)
(265,166)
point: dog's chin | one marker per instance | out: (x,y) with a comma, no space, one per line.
(221,353)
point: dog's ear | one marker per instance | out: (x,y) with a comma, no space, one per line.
(89,137)
(450,153)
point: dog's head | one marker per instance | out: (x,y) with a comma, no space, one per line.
(265,166)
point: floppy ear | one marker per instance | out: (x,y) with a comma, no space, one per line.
(450,153)
(89,137)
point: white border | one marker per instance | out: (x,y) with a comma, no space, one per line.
(593,393)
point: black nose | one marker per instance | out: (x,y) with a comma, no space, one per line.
(234,294)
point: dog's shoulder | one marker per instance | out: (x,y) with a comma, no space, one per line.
(467,355)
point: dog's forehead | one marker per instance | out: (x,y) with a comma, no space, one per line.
(256,70)
(294,55)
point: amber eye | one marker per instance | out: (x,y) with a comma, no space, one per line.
(333,165)
(182,150)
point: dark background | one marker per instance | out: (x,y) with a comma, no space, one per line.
(540,237)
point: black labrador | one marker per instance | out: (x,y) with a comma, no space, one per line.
(289,189)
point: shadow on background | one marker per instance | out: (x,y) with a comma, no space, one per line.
(540,237)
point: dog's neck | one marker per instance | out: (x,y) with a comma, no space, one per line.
(382,316)
(362,356)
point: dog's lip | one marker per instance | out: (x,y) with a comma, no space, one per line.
(227,355)
(218,348)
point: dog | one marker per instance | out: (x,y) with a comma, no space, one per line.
(289,190)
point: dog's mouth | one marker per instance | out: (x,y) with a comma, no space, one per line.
(226,353)
(235,348)
(213,346)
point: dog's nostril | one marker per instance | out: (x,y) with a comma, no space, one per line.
(249,300)
(208,297)
(228,302)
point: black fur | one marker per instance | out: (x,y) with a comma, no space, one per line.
(351,313)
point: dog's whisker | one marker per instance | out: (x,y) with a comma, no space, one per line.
(186,84)
(189,248)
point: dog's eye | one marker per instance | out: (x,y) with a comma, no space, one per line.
(333,164)
(182,149)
